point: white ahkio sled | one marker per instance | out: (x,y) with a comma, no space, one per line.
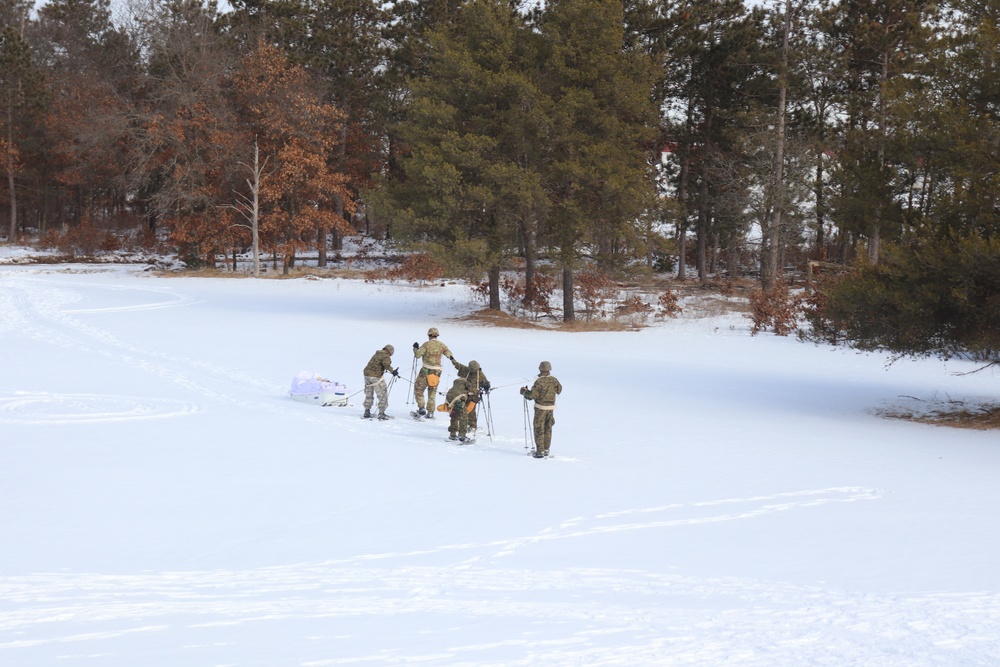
(311,388)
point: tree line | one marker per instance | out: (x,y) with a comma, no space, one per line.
(728,137)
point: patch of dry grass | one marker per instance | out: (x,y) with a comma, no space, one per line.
(598,325)
(498,318)
(980,418)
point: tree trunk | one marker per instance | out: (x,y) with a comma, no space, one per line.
(820,207)
(682,195)
(529,263)
(682,253)
(875,242)
(12,234)
(494,277)
(702,236)
(714,257)
(771,271)
(321,246)
(569,313)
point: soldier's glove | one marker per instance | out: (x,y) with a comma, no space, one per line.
(486,387)
(523,389)
(416,346)
(395,372)
(451,357)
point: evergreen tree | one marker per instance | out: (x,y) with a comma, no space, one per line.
(596,171)
(714,73)
(936,291)
(951,127)
(471,180)
(935,296)
(874,42)
(21,95)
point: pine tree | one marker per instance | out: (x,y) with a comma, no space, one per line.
(470,177)
(597,171)
(714,72)
(873,41)
(21,96)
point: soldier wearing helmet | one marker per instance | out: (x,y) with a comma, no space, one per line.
(476,385)
(543,393)
(427,379)
(458,401)
(378,366)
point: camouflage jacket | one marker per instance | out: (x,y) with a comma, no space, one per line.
(474,380)
(544,391)
(431,353)
(457,396)
(380,363)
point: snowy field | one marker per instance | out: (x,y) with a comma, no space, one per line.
(715,499)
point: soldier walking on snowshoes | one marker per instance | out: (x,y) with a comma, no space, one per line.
(476,385)
(543,393)
(457,400)
(426,383)
(378,366)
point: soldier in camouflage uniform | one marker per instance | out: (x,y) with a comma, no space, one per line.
(458,403)
(378,365)
(476,385)
(430,373)
(543,393)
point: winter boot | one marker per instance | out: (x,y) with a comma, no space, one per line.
(421,412)
(453,437)
(382,415)
(368,413)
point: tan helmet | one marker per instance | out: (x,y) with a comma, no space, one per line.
(433,332)
(544,367)
(473,365)
(389,348)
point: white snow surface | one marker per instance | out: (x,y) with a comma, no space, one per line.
(714,498)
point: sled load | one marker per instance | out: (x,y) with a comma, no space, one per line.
(311,388)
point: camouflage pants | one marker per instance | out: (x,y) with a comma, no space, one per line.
(373,387)
(473,422)
(544,419)
(459,424)
(421,386)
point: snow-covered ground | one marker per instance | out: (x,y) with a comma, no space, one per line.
(714,499)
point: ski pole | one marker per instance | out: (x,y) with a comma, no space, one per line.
(526,431)
(413,374)
(488,414)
